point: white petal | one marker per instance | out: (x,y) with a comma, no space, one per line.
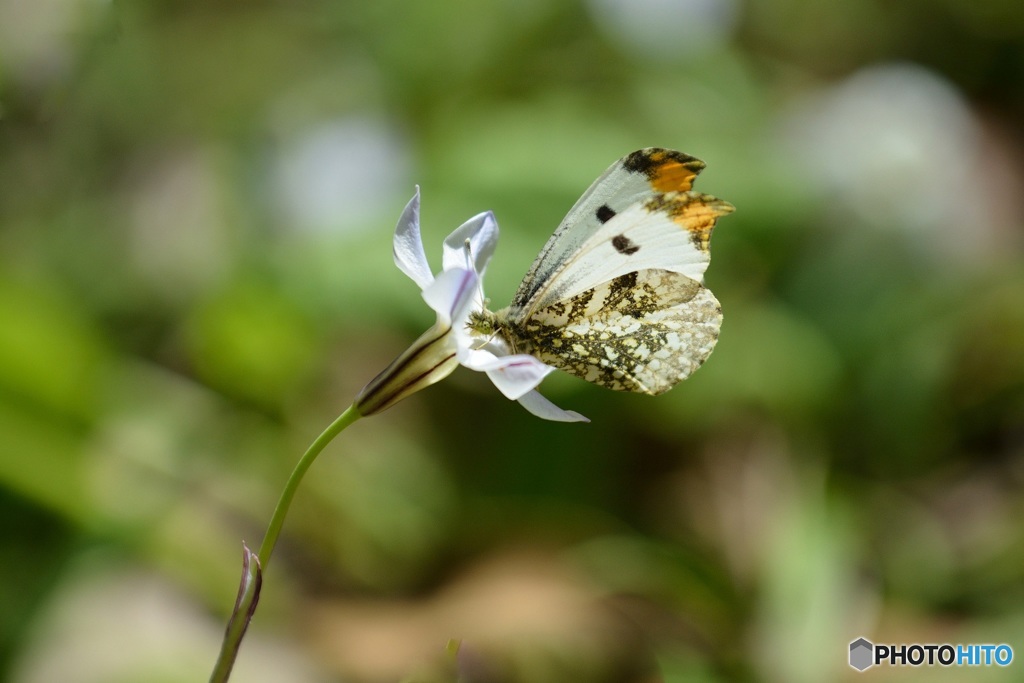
(514,375)
(452,294)
(481,232)
(480,354)
(541,407)
(408,245)
(470,356)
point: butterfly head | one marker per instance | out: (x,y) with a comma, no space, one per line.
(482,323)
(493,330)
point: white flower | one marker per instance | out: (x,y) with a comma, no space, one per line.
(455,294)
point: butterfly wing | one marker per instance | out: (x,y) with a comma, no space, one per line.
(640,214)
(643,332)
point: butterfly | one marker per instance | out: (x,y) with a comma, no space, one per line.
(617,294)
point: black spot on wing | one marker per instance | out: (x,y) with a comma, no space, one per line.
(605,213)
(624,245)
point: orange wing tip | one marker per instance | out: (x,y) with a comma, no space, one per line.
(693,212)
(666,169)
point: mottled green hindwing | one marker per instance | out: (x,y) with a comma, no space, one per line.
(642,332)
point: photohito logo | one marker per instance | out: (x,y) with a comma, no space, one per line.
(864,654)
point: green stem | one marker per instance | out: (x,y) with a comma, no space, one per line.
(277,520)
(252,571)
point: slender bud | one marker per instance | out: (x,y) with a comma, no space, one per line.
(430,359)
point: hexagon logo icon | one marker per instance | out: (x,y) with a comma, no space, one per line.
(861,654)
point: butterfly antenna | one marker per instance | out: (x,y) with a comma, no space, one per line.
(468,246)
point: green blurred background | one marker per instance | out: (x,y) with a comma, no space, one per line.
(196,207)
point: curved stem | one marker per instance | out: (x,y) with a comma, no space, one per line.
(277,520)
(255,563)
